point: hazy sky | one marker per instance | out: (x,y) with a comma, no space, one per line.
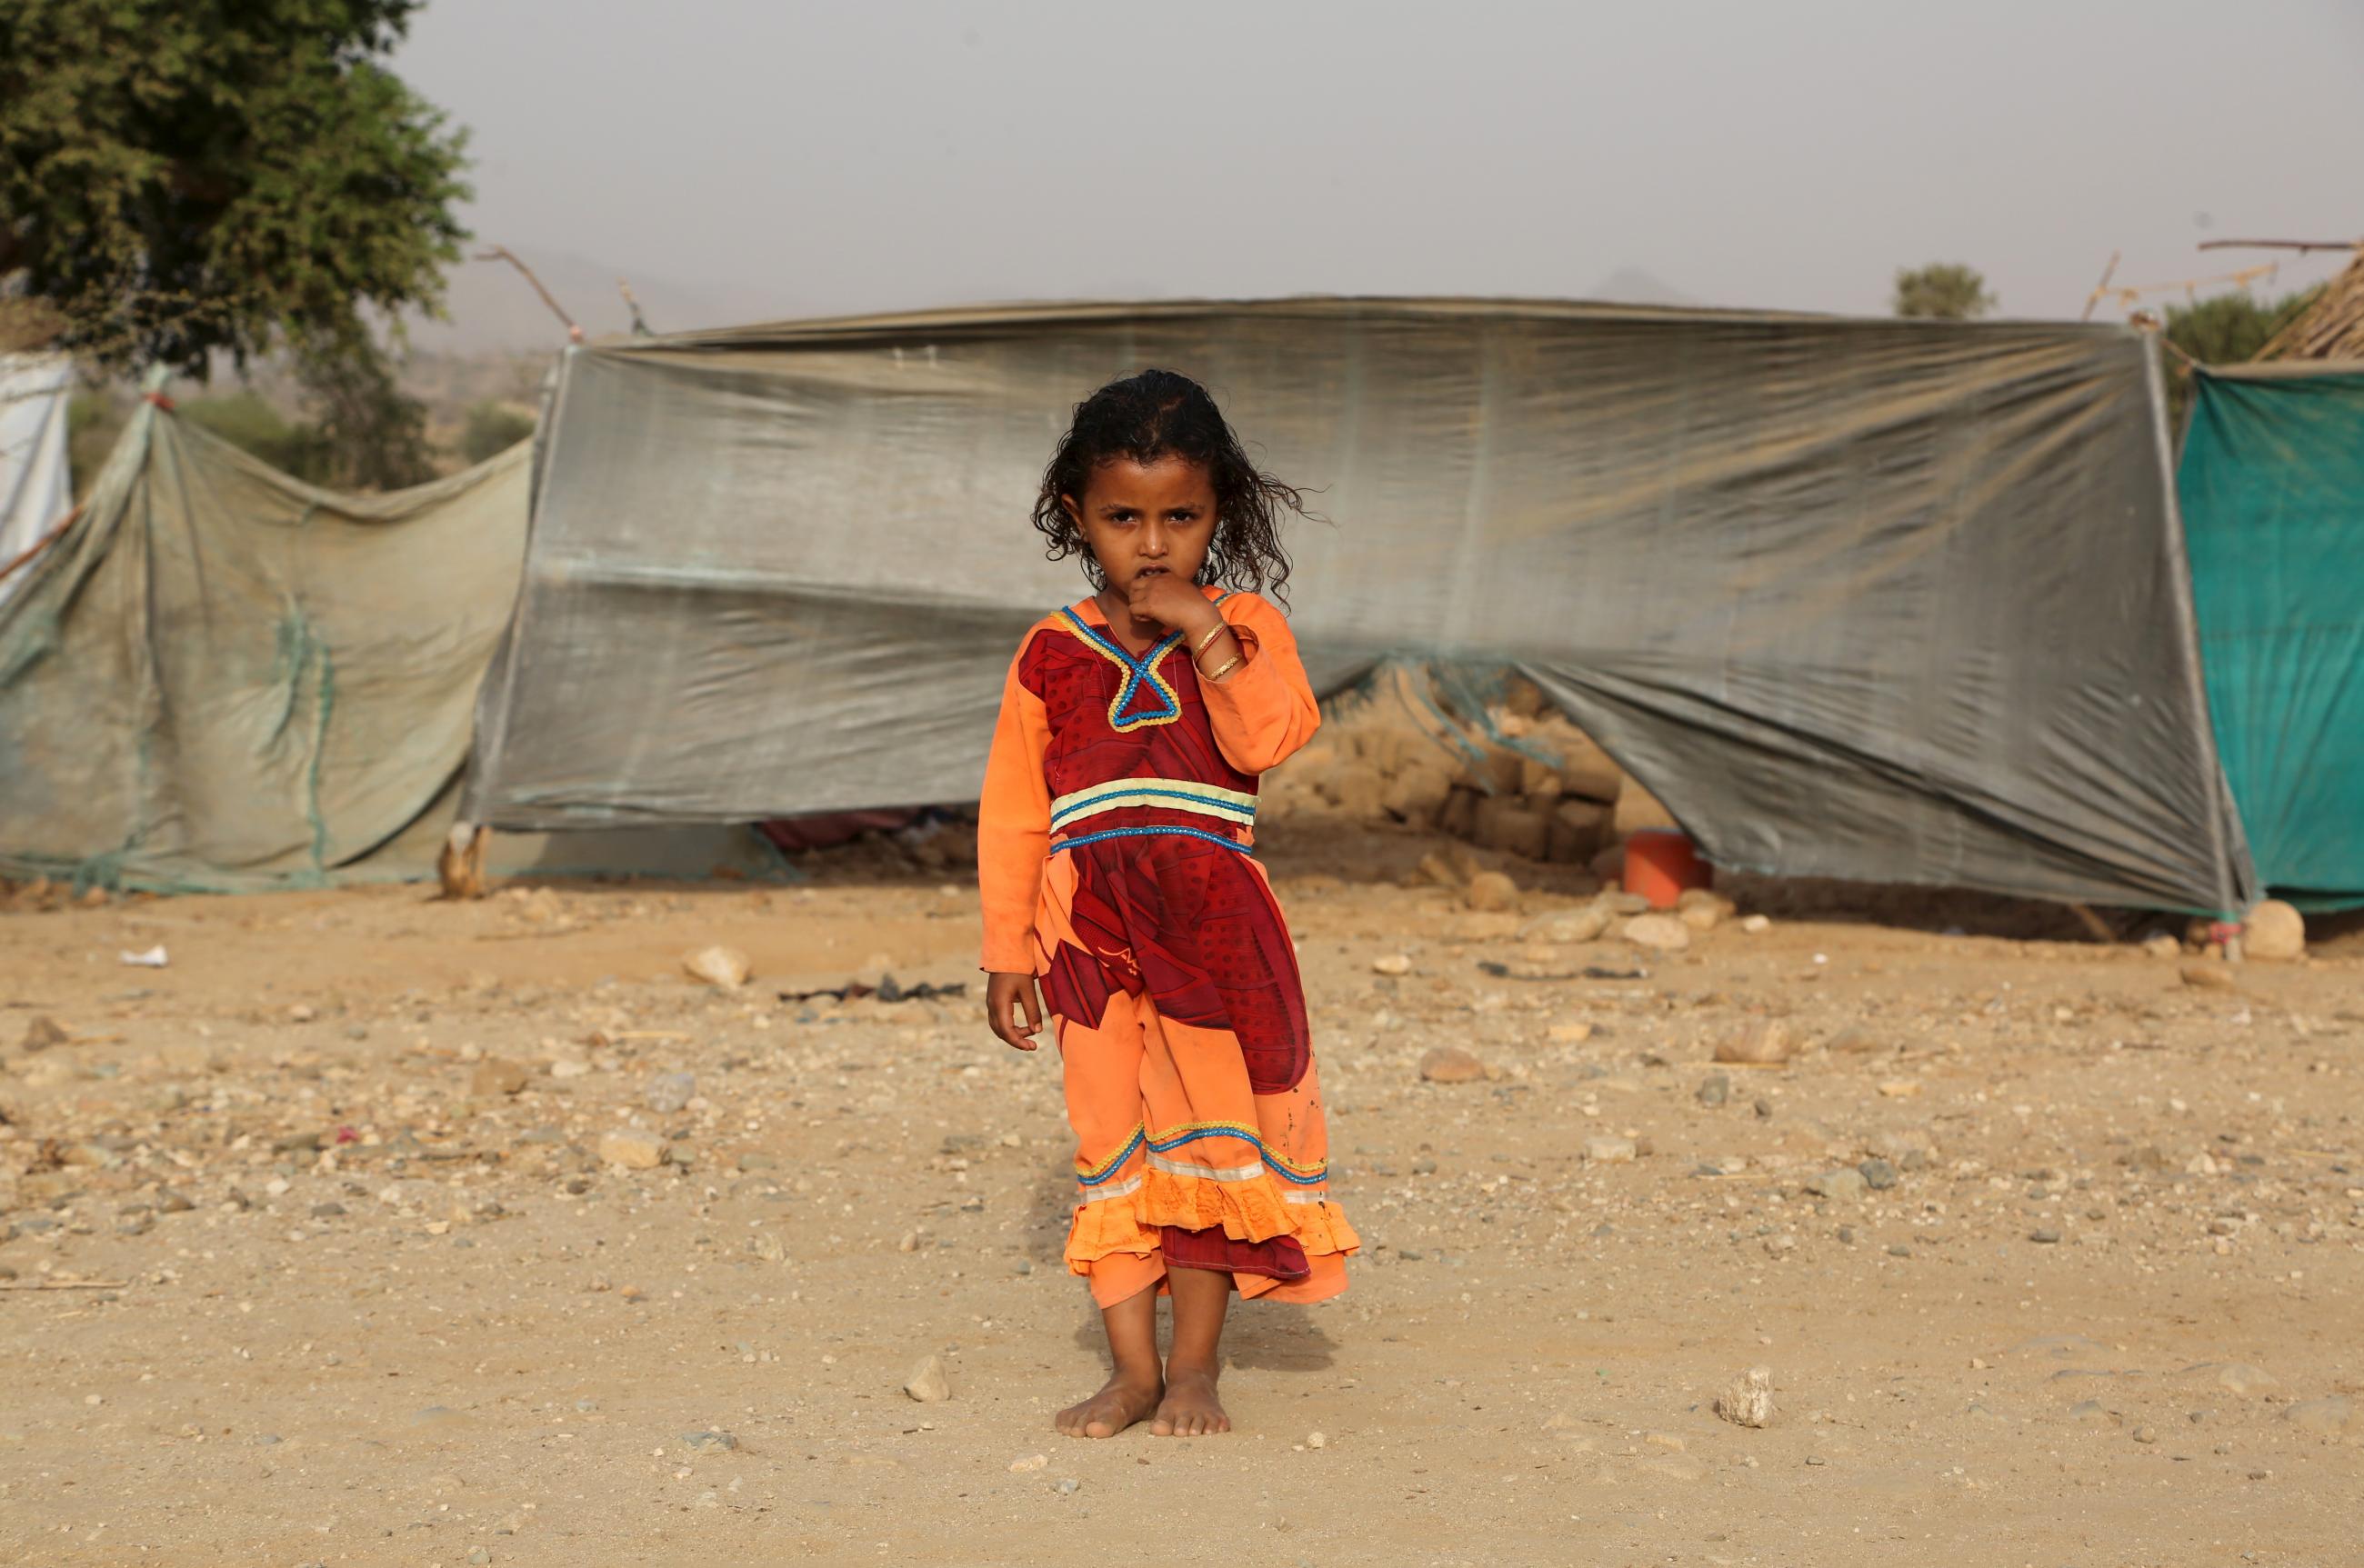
(807,159)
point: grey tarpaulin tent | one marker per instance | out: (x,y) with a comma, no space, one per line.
(1888,600)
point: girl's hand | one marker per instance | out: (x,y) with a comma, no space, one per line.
(1003,994)
(1172,602)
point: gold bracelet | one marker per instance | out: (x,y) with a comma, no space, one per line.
(1201,646)
(1234,662)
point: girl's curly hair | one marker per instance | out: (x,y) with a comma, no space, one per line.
(1159,413)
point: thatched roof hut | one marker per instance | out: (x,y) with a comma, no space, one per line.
(2330,328)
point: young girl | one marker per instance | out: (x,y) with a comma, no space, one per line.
(1113,855)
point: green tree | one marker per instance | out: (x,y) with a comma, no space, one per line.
(184,177)
(493,428)
(373,434)
(1946,291)
(247,420)
(2223,330)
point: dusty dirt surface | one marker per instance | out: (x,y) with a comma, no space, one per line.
(2052,1254)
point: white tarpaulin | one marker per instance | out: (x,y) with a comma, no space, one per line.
(35,486)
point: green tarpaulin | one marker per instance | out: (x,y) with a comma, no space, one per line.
(2272,487)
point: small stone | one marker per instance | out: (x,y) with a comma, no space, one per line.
(478,1557)
(1909,1148)
(1845,1184)
(1570,1034)
(44,1032)
(1658,933)
(1756,926)
(1490,891)
(2207,974)
(927,1383)
(1749,1401)
(1450,1064)
(2274,933)
(1609,1150)
(2044,1236)
(1316,1440)
(2323,1416)
(634,1149)
(669,1092)
(2088,1412)
(1584,924)
(1714,1089)
(2241,1377)
(1763,1044)
(1391,963)
(1704,915)
(723,968)
(1425,1166)
(1024,1464)
(1667,1441)
(709,1441)
(1068,1486)
(2163,946)
(494,1076)
(1878,1174)
(2145,1434)
(327,1210)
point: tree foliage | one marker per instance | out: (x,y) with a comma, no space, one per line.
(1946,291)
(2223,330)
(493,428)
(373,434)
(182,177)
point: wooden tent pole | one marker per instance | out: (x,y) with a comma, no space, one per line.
(461,866)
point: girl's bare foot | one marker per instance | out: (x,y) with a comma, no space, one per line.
(1116,1406)
(1189,1408)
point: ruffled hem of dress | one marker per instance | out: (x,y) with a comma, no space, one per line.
(1245,1211)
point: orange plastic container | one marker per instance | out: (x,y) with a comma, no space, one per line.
(1662,865)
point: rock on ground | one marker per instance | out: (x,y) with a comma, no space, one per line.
(2275,932)
(633,1149)
(1492,891)
(724,968)
(1748,1402)
(1450,1064)
(1659,933)
(1762,1045)
(928,1384)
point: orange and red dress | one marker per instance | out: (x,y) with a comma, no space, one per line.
(1113,855)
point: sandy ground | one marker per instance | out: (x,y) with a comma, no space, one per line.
(376,1309)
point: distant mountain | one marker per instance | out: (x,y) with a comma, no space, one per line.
(1632,285)
(493,309)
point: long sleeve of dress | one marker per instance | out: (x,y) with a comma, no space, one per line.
(1263,711)
(1013,827)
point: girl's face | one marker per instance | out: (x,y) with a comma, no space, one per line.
(1144,518)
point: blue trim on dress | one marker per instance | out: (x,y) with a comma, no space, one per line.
(1136,670)
(1277,1167)
(1115,1161)
(1159,832)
